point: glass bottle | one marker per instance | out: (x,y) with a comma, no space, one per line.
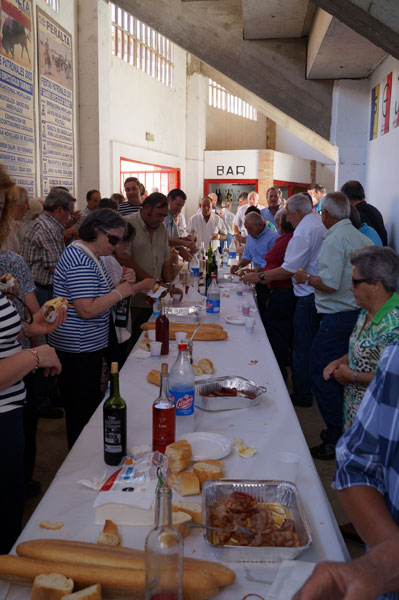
(114,422)
(211,266)
(163,553)
(163,415)
(162,329)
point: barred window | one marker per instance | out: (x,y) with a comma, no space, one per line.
(141,46)
(219,97)
(54,4)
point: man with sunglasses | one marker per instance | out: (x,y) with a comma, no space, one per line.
(338,311)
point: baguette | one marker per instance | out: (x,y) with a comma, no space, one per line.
(194,509)
(109,535)
(185,484)
(86,553)
(214,461)
(116,582)
(154,377)
(206,472)
(206,332)
(90,593)
(206,365)
(178,465)
(178,450)
(53,586)
(180,522)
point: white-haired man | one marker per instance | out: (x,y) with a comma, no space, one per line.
(337,309)
(207,226)
(302,252)
(238,225)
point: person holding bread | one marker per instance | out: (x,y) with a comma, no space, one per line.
(81,278)
(15,364)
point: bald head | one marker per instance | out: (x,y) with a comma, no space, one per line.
(254,224)
(253,199)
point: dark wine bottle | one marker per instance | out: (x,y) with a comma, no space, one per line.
(162,330)
(114,422)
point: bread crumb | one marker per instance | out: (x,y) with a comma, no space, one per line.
(51,525)
(253,362)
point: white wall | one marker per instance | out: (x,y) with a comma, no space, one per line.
(293,168)
(382,156)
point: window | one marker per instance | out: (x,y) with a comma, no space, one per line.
(141,46)
(219,97)
(152,176)
(54,4)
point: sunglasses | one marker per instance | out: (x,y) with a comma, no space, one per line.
(356,282)
(113,239)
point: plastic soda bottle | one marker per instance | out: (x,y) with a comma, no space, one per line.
(182,391)
(213,300)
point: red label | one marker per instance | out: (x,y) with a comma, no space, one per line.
(184,402)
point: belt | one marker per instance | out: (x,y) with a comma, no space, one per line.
(280,290)
(46,287)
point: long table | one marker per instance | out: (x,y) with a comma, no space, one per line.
(272,427)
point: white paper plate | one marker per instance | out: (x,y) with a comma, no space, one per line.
(207,445)
(235,320)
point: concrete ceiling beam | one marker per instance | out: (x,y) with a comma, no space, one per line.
(276,19)
(273,70)
(376,20)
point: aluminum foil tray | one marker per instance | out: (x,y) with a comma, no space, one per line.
(281,492)
(183,314)
(227,402)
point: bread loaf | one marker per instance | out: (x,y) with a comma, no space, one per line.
(206,331)
(179,455)
(86,553)
(194,509)
(90,593)
(206,365)
(51,587)
(185,484)
(206,472)
(180,522)
(109,535)
(154,377)
(214,461)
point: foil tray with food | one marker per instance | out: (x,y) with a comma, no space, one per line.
(263,521)
(227,393)
(183,314)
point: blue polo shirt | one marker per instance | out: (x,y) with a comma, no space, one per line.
(267,215)
(257,248)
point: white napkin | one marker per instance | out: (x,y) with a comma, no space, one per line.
(193,297)
(139,353)
(156,294)
(141,497)
(291,576)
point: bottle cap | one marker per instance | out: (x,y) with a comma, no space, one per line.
(182,346)
(164,368)
(114,367)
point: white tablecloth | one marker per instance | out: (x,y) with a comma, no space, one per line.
(272,427)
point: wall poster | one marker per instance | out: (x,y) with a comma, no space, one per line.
(17,125)
(54,47)
(374,109)
(395,99)
(386,93)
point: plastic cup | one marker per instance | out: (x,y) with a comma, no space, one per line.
(240,289)
(287,464)
(155,349)
(245,309)
(249,324)
(180,337)
(176,299)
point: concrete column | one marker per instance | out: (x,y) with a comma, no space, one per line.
(195,139)
(94,38)
(349,130)
(265,173)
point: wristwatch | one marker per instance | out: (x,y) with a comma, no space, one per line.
(261,275)
(307,278)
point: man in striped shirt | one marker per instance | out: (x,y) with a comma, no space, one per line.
(133,195)
(367,455)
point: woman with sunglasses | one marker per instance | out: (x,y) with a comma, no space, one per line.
(374,283)
(82,278)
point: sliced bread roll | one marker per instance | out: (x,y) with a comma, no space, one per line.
(194,509)
(197,370)
(178,465)
(180,520)
(109,535)
(51,587)
(214,461)
(206,365)
(179,450)
(90,593)
(185,484)
(205,472)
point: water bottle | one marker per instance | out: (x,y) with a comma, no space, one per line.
(194,271)
(225,256)
(156,308)
(232,253)
(182,391)
(213,301)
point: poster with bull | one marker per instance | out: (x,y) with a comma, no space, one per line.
(56,110)
(17,124)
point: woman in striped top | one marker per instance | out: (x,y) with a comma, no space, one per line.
(15,364)
(82,278)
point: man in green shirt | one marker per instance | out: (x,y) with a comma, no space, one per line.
(336,305)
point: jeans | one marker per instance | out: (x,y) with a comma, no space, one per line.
(331,342)
(279,316)
(306,325)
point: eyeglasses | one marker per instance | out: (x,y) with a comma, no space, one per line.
(71,214)
(356,282)
(113,239)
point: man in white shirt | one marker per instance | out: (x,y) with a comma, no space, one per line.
(238,225)
(302,253)
(208,226)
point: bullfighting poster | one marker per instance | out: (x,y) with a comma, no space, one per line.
(17,124)
(385,104)
(56,110)
(374,108)
(395,99)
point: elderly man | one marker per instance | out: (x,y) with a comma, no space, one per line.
(177,199)
(133,191)
(43,242)
(301,253)
(273,198)
(336,306)
(148,253)
(93,197)
(208,226)
(369,214)
(238,225)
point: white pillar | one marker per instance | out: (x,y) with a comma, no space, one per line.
(195,140)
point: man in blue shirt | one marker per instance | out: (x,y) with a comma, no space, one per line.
(259,241)
(273,198)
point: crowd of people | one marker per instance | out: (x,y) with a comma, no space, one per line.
(326,288)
